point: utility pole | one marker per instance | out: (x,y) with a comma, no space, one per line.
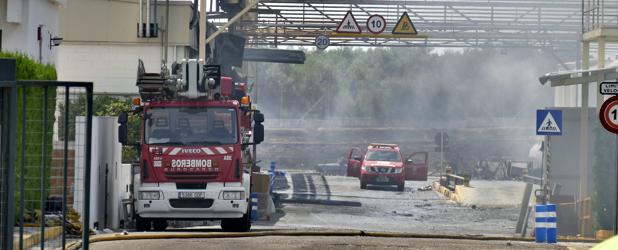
(203,29)
(442,152)
(39,36)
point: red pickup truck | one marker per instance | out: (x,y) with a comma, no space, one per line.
(383,164)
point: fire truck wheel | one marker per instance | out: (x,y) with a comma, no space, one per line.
(142,224)
(363,185)
(238,225)
(159,224)
(401,187)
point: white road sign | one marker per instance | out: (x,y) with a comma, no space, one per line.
(376,24)
(609,88)
(322,41)
(348,24)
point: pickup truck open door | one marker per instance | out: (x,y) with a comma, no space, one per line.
(415,166)
(354,162)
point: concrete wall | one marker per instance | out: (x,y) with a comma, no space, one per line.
(19,20)
(103,21)
(110,33)
(565,151)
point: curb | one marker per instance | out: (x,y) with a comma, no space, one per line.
(35,238)
(150,236)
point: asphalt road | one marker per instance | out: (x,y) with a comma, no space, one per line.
(314,202)
(278,242)
(308,197)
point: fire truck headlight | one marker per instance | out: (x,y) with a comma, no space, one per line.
(233,195)
(398,170)
(149,195)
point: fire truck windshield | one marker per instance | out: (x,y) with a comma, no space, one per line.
(190,126)
(383,155)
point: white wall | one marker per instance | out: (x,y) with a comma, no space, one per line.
(106,154)
(105,49)
(19,20)
(112,67)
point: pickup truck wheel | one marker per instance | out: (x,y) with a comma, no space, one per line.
(363,185)
(142,224)
(159,224)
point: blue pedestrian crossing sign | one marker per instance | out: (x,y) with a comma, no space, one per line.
(549,122)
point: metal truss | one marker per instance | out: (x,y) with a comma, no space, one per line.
(556,25)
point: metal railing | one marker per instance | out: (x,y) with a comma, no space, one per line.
(598,14)
(39,173)
(450,181)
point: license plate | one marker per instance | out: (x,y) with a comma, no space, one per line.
(382,179)
(191,195)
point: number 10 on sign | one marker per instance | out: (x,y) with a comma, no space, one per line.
(376,24)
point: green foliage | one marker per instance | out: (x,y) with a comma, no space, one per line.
(102,105)
(28,69)
(406,84)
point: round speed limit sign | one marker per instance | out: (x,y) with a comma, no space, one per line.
(322,41)
(608,114)
(376,24)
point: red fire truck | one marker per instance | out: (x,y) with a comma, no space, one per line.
(195,152)
(383,164)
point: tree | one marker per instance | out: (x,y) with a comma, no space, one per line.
(103,105)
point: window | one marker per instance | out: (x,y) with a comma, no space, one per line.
(190,126)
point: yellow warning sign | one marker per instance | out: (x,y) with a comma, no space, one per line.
(404,26)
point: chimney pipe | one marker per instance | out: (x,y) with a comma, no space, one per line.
(140,31)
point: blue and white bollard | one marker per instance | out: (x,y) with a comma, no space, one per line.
(254,206)
(551,223)
(540,227)
(546,223)
(272,174)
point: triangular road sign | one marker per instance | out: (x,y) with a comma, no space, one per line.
(549,125)
(404,26)
(348,24)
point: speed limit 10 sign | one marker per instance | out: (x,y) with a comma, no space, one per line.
(608,114)
(376,24)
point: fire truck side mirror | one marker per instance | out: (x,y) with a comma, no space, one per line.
(258,133)
(258,117)
(123,118)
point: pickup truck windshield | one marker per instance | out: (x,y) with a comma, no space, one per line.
(383,155)
(190,126)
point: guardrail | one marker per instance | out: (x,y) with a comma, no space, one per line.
(450,181)
(532,179)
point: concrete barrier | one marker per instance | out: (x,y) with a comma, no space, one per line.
(485,193)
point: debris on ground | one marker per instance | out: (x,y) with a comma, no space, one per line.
(425,188)
(423,205)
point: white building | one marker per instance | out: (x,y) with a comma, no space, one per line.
(101,42)
(19,24)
